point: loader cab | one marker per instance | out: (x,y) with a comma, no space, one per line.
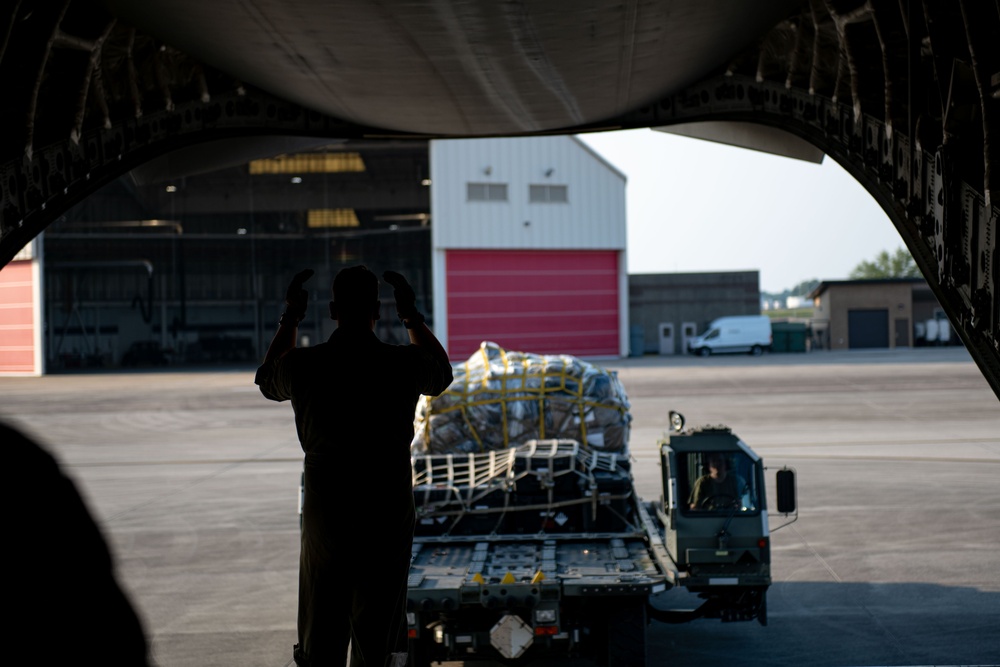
(710,471)
(718,481)
(714,521)
(714,504)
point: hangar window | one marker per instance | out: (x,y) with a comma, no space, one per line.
(486,191)
(547,194)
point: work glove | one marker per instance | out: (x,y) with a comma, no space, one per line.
(296,298)
(406,299)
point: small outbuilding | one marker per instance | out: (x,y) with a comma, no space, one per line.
(668,309)
(876,313)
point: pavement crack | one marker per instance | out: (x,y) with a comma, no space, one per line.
(818,557)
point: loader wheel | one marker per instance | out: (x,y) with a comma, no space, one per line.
(419,653)
(627,636)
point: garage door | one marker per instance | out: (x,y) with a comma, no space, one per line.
(867,328)
(537,301)
(17,315)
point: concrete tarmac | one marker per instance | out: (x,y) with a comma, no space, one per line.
(894,560)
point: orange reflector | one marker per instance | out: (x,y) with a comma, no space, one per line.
(543,630)
(411,633)
(762,542)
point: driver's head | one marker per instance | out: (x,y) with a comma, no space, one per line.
(717,464)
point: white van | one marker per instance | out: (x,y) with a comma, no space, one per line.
(743,333)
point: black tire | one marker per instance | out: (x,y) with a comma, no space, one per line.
(704,351)
(419,653)
(627,636)
(756,350)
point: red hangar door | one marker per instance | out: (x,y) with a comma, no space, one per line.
(535,301)
(18,327)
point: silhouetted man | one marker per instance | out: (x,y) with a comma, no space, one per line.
(354,398)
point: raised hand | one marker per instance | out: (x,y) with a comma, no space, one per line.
(406,299)
(296,298)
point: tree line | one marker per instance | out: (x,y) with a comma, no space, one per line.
(896,264)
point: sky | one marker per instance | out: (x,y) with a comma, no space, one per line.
(695,205)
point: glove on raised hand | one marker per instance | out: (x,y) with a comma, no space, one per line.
(296,298)
(406,299)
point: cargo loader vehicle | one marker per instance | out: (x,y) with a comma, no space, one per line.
(544,550)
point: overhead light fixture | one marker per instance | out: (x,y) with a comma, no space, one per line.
(309,163)
(425,182)
(488,170)
(296,179)
(332,217)
(171,188)
(549,171)
(422,218)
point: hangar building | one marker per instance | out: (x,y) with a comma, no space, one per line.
(529,241)
(191,255)
(668,309)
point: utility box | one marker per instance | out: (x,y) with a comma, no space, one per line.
(931,331)
(637,341)
(789,336)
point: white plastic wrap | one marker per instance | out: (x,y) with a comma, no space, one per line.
(501,399)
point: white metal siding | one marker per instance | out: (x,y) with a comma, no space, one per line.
(593,217)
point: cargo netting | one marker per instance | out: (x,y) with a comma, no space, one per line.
(550,485)
(501,399)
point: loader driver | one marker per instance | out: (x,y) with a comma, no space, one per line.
(719,489)
(354,398)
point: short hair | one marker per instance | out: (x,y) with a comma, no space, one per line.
(355,290)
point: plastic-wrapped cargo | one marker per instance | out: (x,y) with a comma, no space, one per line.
(501,399)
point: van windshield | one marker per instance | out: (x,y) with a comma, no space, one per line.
(719,482)
(713,333)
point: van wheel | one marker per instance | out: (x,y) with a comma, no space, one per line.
(704,352)
(756,350)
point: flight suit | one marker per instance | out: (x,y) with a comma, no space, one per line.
(354,399)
